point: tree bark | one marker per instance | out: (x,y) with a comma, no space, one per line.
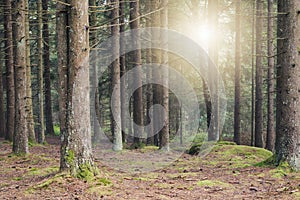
(94,74)
(29,109)
(149,88)
(213,133)
(41,133)
(123,69)
(156,59)
(237,78)
(47,70)
(116,100)
(9,64)
(20,138)
(288,94)
(165,135)
(76,154)
(2,110)
(270,122)
(62,60)
(137,61)
(259,77)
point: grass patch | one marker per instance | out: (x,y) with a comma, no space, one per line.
(212,183)
(43,171)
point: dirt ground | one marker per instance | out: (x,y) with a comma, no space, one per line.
(228,172)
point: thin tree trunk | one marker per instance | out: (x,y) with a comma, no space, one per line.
(2,110)
(288,73)
(41,133)
(122,69)
(165,135)
(47,72)
(137,60)
(94,75)
(237,118)
(156,58)
(149,89)
(270,122)
(116,100)
(20,138)
(29,109)
(76,154)
(213,133)
(259,77)
(253,77)
(62,60)
(9,64)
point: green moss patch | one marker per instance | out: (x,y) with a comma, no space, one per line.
(213,183)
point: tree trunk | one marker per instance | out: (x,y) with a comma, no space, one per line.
(164,141)
(116,100)
(29,109)
(122,69)
(9,64)
(137,60)
(2,110)
(213,133)
(20,138)
(41,133)
(237,78)
(76,154)
(288,73)
(149,89)
(156,58)
(94,74)
(47,72)
(259,77)
(270,121)
(253,76)
(62,61)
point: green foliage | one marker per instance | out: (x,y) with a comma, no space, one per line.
(104,181)
(70,158)
(56,130)
(212,183)
(86,172)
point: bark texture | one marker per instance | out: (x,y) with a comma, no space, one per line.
(62,60)
(20,138)
(138,115)
(9,64)
(116,100)
(41,133)
(288,92)
(237,78)
(76,154)
(270,122)
(29,108)
(47,70)
(164,140)
(259,77)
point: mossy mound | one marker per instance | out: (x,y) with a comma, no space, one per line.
(233,155)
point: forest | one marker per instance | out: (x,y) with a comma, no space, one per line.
(150,99)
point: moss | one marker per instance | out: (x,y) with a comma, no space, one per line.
(56,129)
(43,171)
(104,181)
(18,178)
(149,149)
(100,192)
(138,145)
(212,183)
(70,157)
(86,172)
(226,143)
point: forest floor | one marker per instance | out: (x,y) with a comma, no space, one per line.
(227,172)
